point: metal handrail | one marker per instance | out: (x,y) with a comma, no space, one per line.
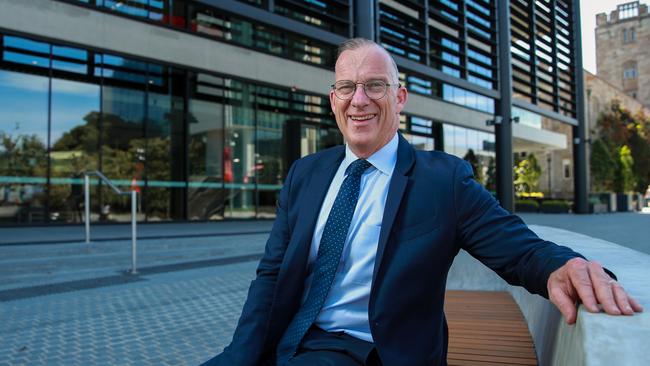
(133,194)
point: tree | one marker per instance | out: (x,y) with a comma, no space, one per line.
(491,175)
(603,166)
(619,128)
(527,173)
(472,159)
(639,143)
(624,178)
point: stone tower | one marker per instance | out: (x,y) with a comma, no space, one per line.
(623,49)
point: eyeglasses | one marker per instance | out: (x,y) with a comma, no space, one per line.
(374,89)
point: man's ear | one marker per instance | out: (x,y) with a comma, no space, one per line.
(401,97)
(333,101)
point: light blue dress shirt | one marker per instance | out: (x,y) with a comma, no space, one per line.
(346,306)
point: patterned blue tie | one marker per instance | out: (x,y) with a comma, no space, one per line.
(327,260)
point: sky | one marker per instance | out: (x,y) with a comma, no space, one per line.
(588,11)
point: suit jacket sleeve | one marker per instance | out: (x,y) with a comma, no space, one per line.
(501,240)
(248,342)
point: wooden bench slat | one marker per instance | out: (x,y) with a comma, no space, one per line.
(487,328)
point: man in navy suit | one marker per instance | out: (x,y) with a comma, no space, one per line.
(355,267)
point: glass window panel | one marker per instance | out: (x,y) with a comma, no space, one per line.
(26,59)
(164,165)
(206,195)
(478,31)
(123,149)
(448,138)
(239,153)
(527,118)
(23,147)
(479,57)
(74,138)
(460,141)
(329,137)
(450,71)
(308,140)
(420,142)
(70,66)
(70,52)
(269,169)
(450,44)
(27,44)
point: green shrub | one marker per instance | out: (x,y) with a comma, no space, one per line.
(555,206)
(526,206)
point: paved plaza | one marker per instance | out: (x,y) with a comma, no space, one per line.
(176,318)
(64,302)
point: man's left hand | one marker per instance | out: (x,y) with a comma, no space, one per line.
(585,281)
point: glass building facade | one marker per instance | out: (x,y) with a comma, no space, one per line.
(199,144)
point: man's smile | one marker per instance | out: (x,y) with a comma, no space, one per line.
(361,119)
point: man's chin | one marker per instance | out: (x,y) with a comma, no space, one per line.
(361,145)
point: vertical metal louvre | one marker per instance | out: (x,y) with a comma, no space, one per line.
(542,60)
(454,36)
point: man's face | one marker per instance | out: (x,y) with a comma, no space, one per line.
(367,125)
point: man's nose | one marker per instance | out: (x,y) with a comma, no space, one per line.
(359,98)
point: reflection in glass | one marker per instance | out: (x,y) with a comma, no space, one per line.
(74,139)
(420,142)
(308,140)
(23,147)
(123,148)
(239,152)
(329,137)
(164,149)
(476,147)
(206,195)
(270,156)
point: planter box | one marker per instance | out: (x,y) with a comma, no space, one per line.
(607,198)
(598,208)
(624,202)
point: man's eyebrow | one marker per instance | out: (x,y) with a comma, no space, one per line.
(375,78)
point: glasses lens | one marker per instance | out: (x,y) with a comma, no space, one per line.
(344,89)
(375,89)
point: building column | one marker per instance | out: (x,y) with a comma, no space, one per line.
(365,16)
(580,163)
(503,125)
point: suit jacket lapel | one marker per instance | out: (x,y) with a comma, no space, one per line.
(312,201)
(396,191)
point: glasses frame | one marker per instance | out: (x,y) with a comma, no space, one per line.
(333,86)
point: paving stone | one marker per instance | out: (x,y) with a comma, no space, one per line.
(166,319)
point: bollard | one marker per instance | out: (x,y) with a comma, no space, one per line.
(133,231)
(87,206)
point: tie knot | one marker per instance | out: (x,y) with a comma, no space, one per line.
(358,167)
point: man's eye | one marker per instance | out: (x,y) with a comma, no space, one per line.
(347,88)
(375,85)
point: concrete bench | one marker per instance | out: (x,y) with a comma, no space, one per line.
(595,339)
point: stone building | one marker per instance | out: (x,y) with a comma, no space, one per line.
(599,94)
(623,49)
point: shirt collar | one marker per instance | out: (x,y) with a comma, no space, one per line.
(383,159)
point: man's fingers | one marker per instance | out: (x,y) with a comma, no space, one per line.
(625,302)
(579,276)
(579,280)
(564,303)
(602,285)
(635,305)
(622,299)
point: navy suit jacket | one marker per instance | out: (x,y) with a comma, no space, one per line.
(434,208)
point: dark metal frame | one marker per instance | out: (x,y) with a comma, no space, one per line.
(503,130)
